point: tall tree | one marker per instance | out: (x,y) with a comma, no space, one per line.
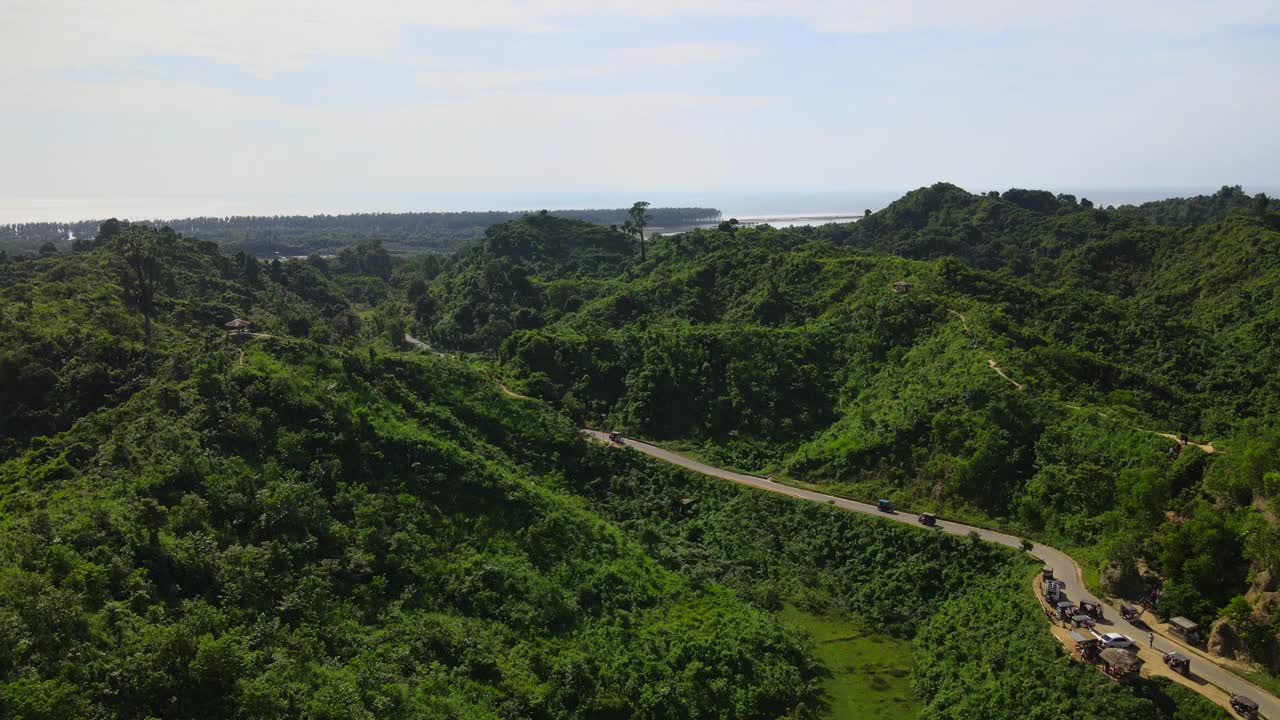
(140,248)
(637,219)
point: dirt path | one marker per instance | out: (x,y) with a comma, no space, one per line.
(991,362)
(1176,438)
(1205,447)
(1209,678)
(241,334)
(422,345)
(509,392)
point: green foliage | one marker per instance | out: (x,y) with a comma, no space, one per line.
(787,351)
(988,654)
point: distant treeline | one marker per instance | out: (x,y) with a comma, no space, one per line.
(304,234)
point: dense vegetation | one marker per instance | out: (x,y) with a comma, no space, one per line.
(311,521)
(1023,380)
(303,234)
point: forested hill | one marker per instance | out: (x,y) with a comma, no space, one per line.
(1036,373)
(268,235)
(310,520)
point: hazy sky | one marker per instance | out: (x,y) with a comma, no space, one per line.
(130,100)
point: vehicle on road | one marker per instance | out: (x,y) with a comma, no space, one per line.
(884,505)
(1082,620)
(615,437)
(1047,573)
(1244,706)
(1129,612)
(1092,609)
(1187,629)
(1116,640)
(1178,662)
(1053,590)
(1065,609)
(1087,647)
(928,519)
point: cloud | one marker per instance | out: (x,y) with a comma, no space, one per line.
(267,37)
(618,61)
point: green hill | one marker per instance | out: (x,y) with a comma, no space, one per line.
(1024,379)
(310,520)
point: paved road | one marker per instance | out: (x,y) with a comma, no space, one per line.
(1064,568)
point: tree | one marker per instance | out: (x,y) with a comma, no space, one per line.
(48,249)
(637,220)
(140,248)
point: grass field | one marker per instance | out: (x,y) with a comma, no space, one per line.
(870,674)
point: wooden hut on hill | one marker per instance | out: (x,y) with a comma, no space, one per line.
(901,286)
(239,325)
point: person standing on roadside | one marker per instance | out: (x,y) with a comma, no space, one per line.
(1151,639)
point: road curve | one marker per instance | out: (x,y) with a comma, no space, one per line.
(1063,567)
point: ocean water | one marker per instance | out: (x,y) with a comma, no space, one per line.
(775,205)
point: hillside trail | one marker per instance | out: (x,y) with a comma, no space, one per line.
(1206,448)
(423,345)
(254,335)
(1210,676)
(991,361)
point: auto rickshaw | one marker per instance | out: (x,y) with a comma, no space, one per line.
(1092,609)
(927,519)
(615,437)
(1178,662)
(1244,706)
(1065,609)
(1129,612)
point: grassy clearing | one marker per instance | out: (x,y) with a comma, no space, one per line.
(870,674)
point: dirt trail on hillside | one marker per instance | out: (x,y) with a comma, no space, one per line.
(991,362)
(1205,447)
(1178,439)
(509,392)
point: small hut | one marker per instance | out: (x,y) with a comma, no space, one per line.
(901,286)
(1120,663)
(239,325)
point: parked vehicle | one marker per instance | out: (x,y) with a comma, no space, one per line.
(1065,609)
(1246,707)
(1053,590)
(1047,573)
(1083,621)
(1178,662)
(1086,646)
(1187,629)
(928,519)
(1092,609)
(1129,612)
(885,505)
(1116,640)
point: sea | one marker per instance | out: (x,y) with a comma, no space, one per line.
(779,208)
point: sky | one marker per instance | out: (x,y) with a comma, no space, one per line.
(162,108)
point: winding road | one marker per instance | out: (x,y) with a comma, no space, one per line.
(1203,667)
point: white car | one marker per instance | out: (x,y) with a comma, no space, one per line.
(1116,640)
